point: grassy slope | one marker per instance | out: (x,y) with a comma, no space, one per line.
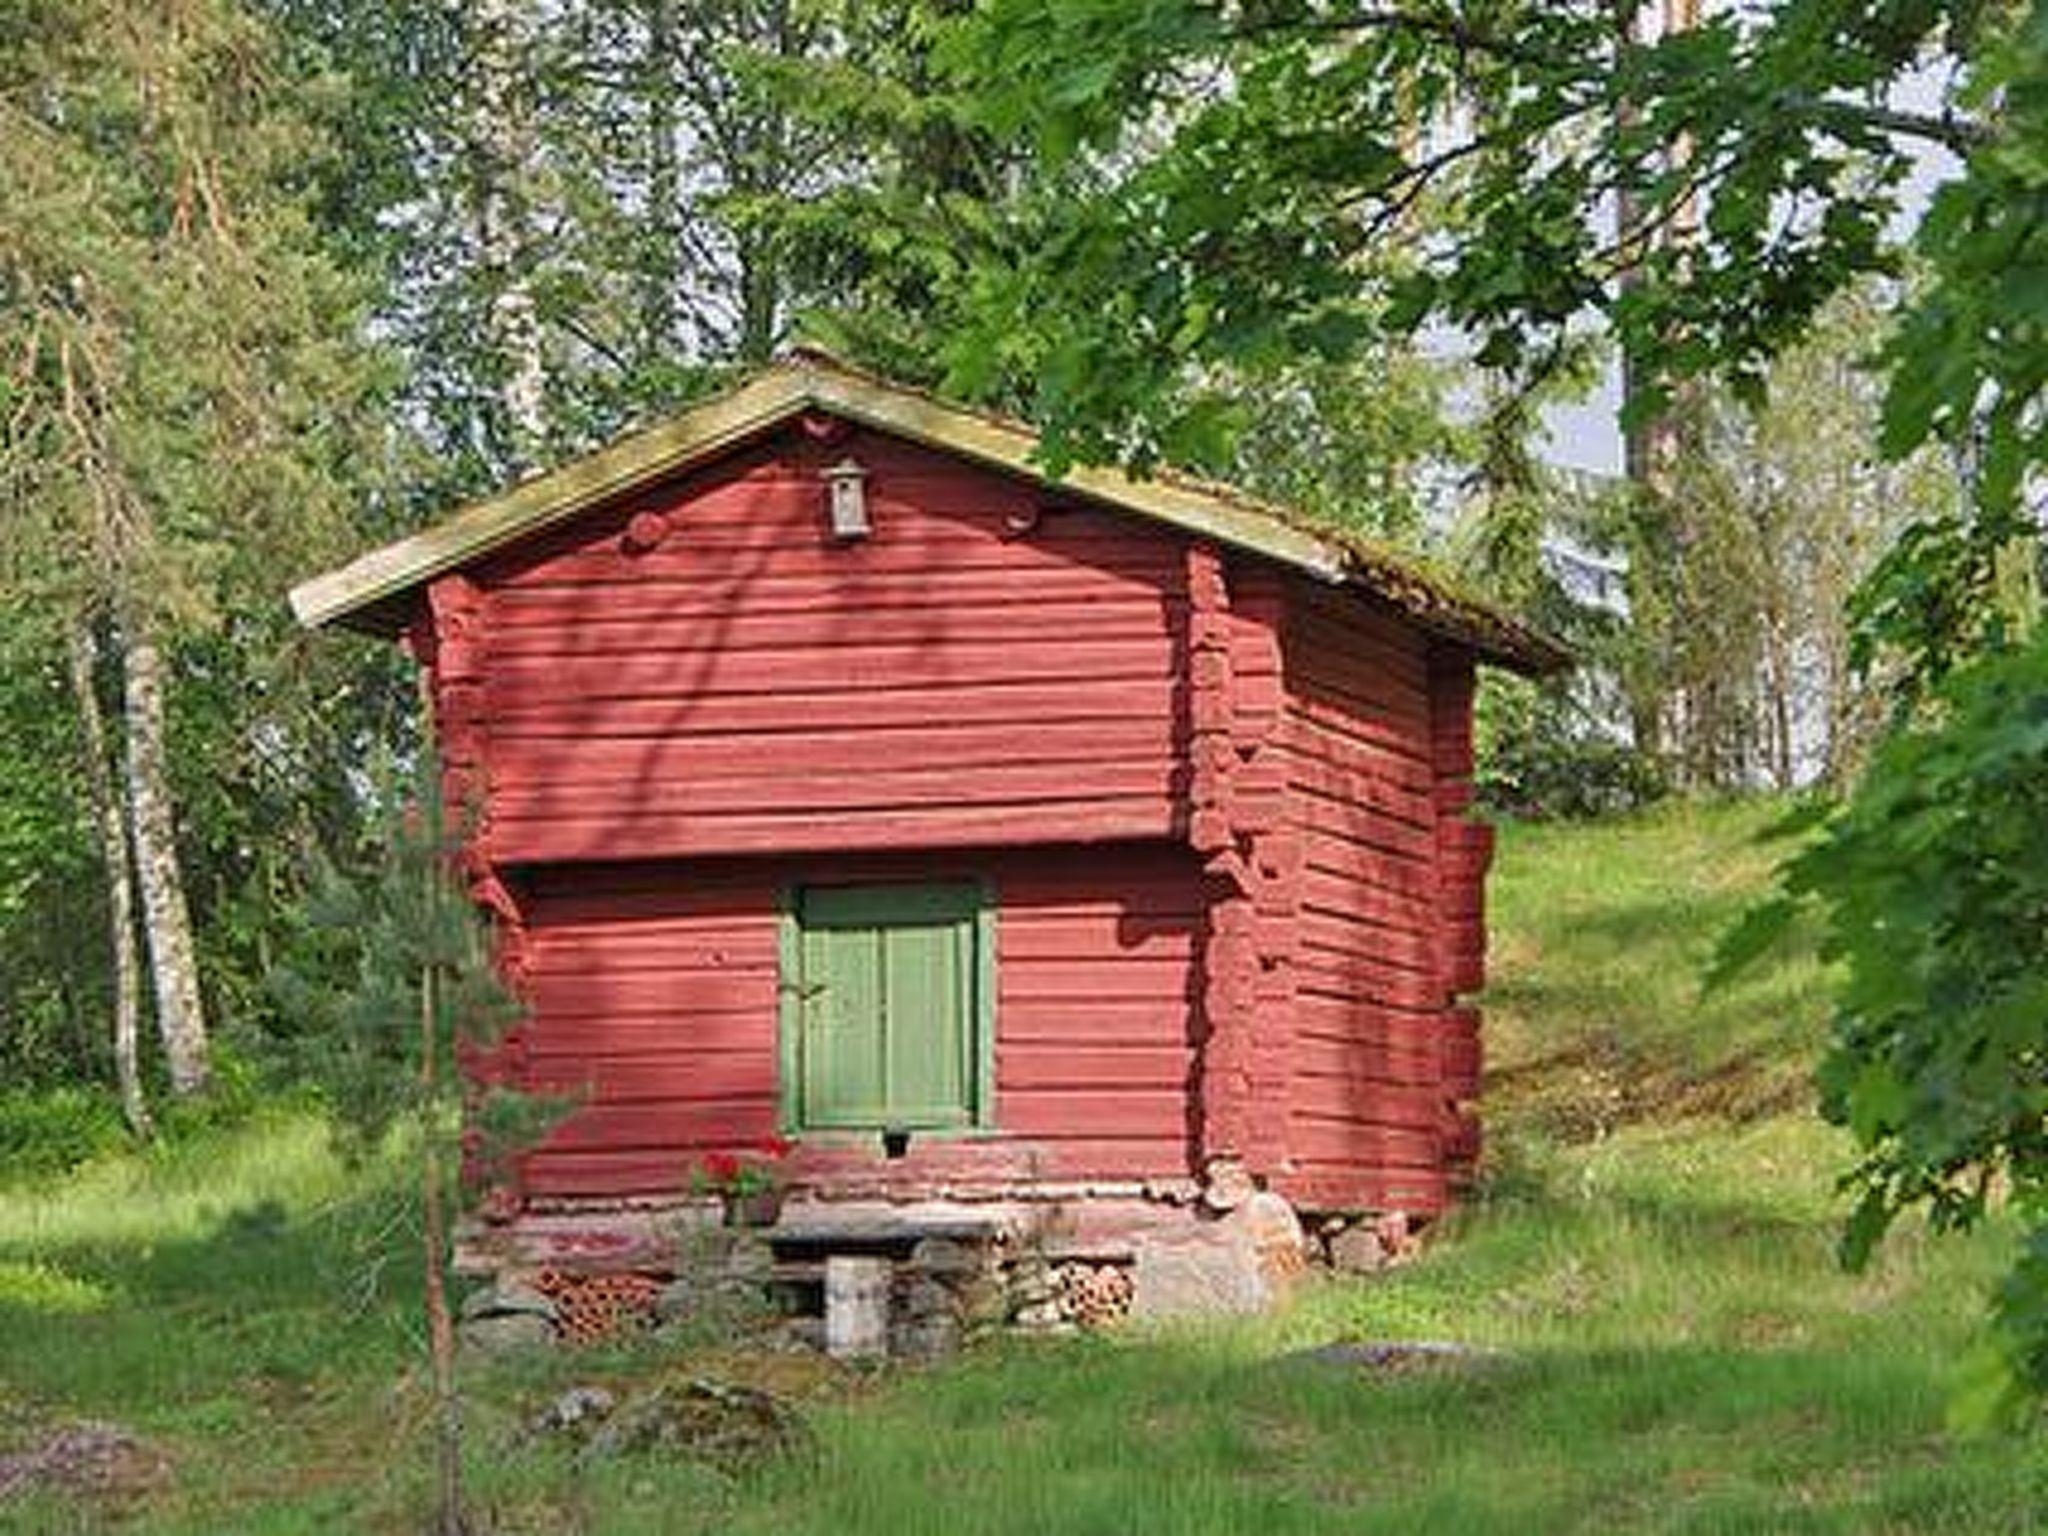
(1653,1249)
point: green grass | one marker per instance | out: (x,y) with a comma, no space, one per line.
(1652,1252)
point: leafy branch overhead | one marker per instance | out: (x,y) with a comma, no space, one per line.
(1223,186)
(1930,887)
(1262,170)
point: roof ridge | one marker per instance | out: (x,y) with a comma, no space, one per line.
(812,377)
(1388,561)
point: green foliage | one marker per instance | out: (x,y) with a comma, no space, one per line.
(1970,362)
(50,987)
(34,1288)
(46,1131)
(879,254)
(1561,747)
(1782,519)
(187,371)
(1540,756)
(189,411)
(1300,181)
(1215,189)
(394,981)
(1358,444)
(1263,161)
(1948,589)
(269,736)
(1930,881)
(54,1127)
(629,172)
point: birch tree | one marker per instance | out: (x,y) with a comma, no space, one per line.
(112,829)
(578,208)
(502,134)
(185,367)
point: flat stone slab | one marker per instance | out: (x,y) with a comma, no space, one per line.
(821,1226)
(593,1242)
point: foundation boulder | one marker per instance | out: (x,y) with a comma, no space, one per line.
(1242,1264)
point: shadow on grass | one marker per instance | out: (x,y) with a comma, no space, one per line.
(245,1347)
(265,1292)
(1183,1435)
(1601,1082)
(253,1349)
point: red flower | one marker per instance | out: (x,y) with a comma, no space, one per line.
(778,1147)
(721,1167)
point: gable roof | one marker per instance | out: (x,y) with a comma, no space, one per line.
(368,593)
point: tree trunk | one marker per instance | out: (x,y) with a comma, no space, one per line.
(449,1518)
(760,300)
(658,308)
(166,920)
(113,834)
(1784,770)
(503,133)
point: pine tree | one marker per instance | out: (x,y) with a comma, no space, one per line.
(399,983)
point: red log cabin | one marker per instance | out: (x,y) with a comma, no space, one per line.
(842,778)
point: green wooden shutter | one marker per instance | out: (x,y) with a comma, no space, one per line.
(843,1082)
(891,1002)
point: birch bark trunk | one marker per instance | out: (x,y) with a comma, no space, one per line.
(105,803)
(503,133)
(166,917)
(659,310)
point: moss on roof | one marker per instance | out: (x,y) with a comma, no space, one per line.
(373,591)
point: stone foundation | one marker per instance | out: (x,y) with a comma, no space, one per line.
(1044,1260)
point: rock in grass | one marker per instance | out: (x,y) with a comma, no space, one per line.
(924,1322)
(1240,1264)
(504,1332)
(730,1428)
(505,1298)
(576,1412)
(88,1458)
(1357,1250)
(797,1335)
(1265,1224)
(508,1315)
(1197,1274)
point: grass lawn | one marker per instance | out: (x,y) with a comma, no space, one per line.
(1651,1254)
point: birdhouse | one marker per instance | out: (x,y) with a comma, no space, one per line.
(847,499)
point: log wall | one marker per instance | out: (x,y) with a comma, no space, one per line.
(655,999)
(1224,807)
(1378,746)
(702,670)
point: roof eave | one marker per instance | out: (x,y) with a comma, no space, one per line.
(372,593)
(356,594)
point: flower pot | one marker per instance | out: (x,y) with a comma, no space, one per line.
(761,1209)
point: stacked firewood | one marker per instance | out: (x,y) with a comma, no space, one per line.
(590,1308)
(1092,1295)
